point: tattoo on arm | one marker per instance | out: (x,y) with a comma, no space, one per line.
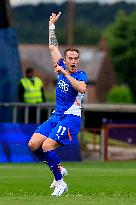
(52,38)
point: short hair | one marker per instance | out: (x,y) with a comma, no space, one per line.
(71,49)
(29,70)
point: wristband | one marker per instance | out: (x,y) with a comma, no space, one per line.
(52,27)
(61,63)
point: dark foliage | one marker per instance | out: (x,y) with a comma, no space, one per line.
(91,19)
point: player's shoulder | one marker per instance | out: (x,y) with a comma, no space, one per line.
(82,76)
(81,72)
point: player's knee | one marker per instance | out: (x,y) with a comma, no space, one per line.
(32,144)
(46,147)
(36,141)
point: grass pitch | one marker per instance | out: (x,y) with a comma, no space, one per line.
(90,183)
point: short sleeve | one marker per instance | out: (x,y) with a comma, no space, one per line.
(82,77)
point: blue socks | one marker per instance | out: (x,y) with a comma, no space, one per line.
(40,154)
(52,160)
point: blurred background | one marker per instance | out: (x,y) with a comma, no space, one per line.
(100,28)
(104,32)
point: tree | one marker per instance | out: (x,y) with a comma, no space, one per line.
(121,40)
(91,36)
(119,94)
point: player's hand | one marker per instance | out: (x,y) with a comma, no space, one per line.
(60,69)
(54,18)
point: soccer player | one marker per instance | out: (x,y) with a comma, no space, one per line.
(64,124)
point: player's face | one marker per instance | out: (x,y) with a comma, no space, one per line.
(72,61)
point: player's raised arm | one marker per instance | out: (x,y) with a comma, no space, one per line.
(53,43)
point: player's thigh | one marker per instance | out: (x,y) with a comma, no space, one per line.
(70,124)
(47,127)
(73,124)
(36,141)
(42,133)
(66,130)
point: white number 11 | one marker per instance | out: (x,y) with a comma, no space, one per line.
(61,129)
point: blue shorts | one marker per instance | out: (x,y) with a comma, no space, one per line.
(61,128)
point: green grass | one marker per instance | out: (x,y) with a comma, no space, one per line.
(94,183)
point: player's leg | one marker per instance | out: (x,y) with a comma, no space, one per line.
(37,139)
(48,155)
(64,173)
(60,135)
(53,162)
(35,144)
(64,133)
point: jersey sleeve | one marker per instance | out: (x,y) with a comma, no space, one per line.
(82,77)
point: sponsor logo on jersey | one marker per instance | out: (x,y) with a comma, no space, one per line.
(63,86)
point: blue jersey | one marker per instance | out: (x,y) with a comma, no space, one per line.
(63,126)
(68,100)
